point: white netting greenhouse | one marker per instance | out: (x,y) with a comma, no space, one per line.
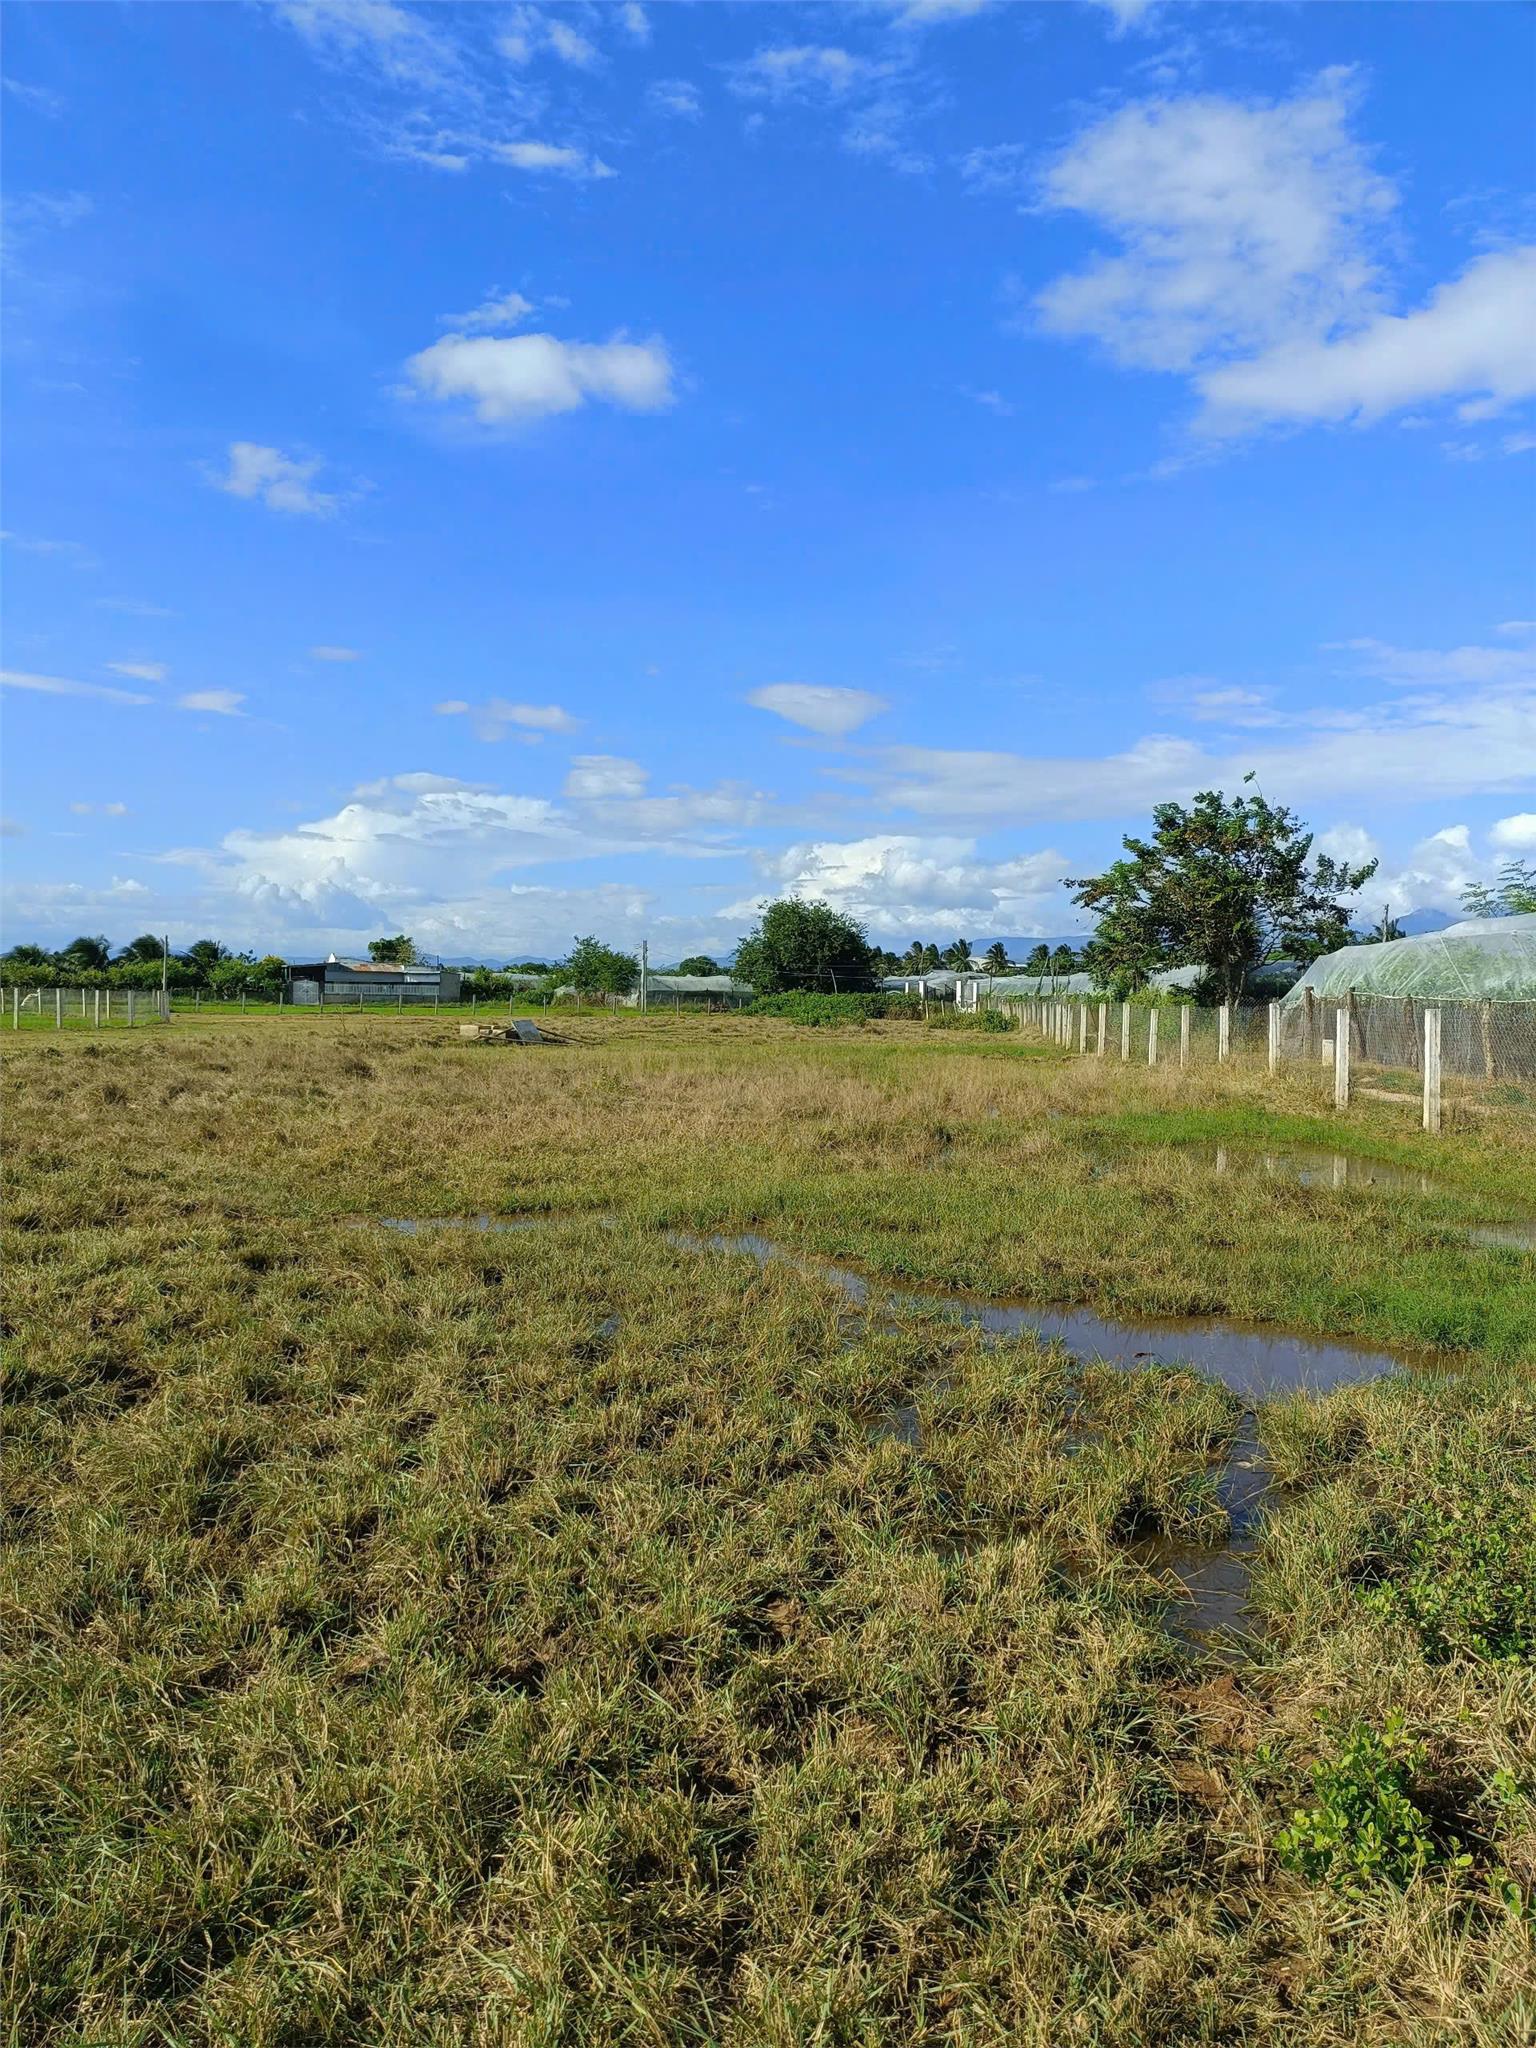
(1483,959)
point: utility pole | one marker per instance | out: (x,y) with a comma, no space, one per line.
(165,962)
(645,968)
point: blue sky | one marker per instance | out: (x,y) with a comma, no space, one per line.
(506,471)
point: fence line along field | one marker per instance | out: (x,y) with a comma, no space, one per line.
(717,1531)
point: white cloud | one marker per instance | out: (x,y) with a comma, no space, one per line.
(917,13)
(225,703)
(1474,340)
(994,401)
(395,41)
(1432,876)
(502,309)
(37,97)
(71,551)
(1243,225)
(333,654)
(1444,666)
(1515,832)
(605,775)
(64,686)
(675,96)
(802,71)
(570,45)
(1127,13)
(560,158)
(282,482)
(492,719)
(140,671)
(819,707)
(635,21)
(999,167)
(135,608)
(528,31)
(899,882)
(514,379)
(88,810)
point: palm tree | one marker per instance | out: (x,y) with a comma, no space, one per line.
(958,955)
(87,954)
(1039,961)
(996,958)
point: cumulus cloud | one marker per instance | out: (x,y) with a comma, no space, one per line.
(493,719)
(1475,339)
(281,482)
(512,380)
(1242,225)
(1515,833)
(819,707)
(901,882)
(1251,242)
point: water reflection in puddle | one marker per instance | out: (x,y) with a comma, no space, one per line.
(1210,1581)
(1315,1169)
(1256,1362)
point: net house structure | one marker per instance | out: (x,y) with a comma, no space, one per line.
(355,982)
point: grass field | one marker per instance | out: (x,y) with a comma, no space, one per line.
(563,1635)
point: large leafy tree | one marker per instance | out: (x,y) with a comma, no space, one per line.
(1514,895)
(1224,883)
(805,944)
(400,951)
(86,954)
(698,963)
(595,969)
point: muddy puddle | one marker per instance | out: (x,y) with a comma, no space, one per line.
(1255,1360)
(1317,1169)
(1206,1584)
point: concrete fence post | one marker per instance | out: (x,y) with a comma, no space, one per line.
(130,1009)
(1082,1027)
(107,1009)
(96,1012)
(16,1008)
(58,1009)
(1431,1069)
(1152,1036)
(1341,1060)
(1485,1026)
(1183,1034)
(1274,1038)
(1103,1025)
(1125,1031)
(1224,1032)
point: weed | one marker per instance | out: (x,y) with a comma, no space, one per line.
(1365,1828)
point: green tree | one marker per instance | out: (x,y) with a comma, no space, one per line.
(957,955)
(205,955)
(399,951)
(596,969)
(1514,896)
(912,959)
(996,957)
(1225,884)
(1063,961)
(1039,961)
(800,944)
(698,963)
(86,955)
(145,947)
(1383,932)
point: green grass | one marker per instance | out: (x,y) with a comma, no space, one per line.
(547,1638)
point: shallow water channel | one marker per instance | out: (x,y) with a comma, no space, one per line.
(1317,1169)
(1208,1582)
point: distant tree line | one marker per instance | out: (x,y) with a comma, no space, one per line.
(1224,884)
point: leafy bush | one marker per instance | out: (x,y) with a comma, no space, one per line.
(1458,1563)
(1366,1828)
(803,1006)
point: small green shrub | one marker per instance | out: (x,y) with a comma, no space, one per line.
(808,1006)
(1366,1828)
(1458,1564)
